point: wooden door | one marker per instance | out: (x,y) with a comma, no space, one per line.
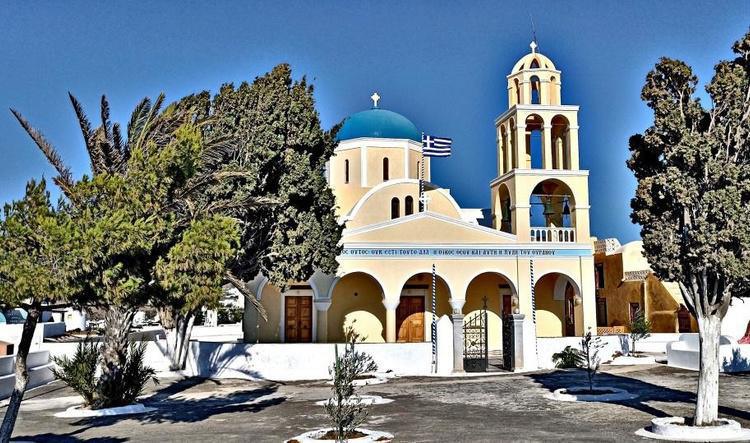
(570,311)
(410,319)
(683,319)
(298,319)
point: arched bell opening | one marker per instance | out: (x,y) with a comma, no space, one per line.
(534,136)
(552,212)
(504,214)
(560,142)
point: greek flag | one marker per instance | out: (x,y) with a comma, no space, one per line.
(436,146)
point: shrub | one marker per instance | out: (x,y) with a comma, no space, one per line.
(345,410)
(590,346)
(640,328)
(80,373)
(568,358)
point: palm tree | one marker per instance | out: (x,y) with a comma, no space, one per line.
(150,128)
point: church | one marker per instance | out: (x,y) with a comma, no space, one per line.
(530,254)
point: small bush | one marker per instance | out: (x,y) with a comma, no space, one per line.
(569,357)
(640,328)
(125,389)
(345,411)
(80,373)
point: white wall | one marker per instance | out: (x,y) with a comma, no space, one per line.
(11,333)
(551,345)
(39,371)
(303,361)
(738,315)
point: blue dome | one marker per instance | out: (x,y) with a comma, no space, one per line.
(378,123)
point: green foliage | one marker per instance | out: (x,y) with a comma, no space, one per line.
(229,315)
(640,328)
(278,154)
(590,347)
(344,409)
(569,357)
(193,270)
(79,372)
(35,244)
(693,172)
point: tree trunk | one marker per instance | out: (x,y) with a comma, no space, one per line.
(114,351)
(22,375)
(707,404)
(180,343)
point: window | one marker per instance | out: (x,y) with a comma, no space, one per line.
(395,208)
(601,311)
(386,175)
(599,275)
(346,171)
(419,175)
(536,97)
(635,309)
(408,205)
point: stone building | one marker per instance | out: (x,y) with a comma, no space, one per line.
(625,285)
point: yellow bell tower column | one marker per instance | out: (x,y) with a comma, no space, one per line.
(540,195)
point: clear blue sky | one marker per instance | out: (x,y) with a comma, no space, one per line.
(441,64)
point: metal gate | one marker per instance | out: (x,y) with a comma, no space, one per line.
(475,341)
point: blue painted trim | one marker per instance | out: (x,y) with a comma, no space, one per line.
(462,252)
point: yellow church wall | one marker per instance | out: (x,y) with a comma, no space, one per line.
(357,302)
(377,206)
(269,330)
(425,229)
(549,312)
(375,156)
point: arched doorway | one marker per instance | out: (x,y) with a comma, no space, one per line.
(357,302)
(559,310)
(414,311)
(499,292)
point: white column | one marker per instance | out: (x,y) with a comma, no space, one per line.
(390,320)
(458,334)
(322,321)
(547,147)
(573,147)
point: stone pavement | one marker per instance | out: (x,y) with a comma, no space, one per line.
(505,407)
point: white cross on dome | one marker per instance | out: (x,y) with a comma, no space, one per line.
(375,97)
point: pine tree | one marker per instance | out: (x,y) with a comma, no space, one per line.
(693,172)
(35,272)
(278,154)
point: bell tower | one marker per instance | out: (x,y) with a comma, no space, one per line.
(540,194)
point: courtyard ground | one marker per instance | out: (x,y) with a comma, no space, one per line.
(507,407)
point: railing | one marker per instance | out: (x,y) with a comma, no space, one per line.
(553,235)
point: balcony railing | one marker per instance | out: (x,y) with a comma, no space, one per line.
(553,235)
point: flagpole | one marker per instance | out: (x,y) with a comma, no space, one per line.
(434,324)
(421,178)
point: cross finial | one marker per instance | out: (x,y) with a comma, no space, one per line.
(425,200)
(533,46)
(375,97)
